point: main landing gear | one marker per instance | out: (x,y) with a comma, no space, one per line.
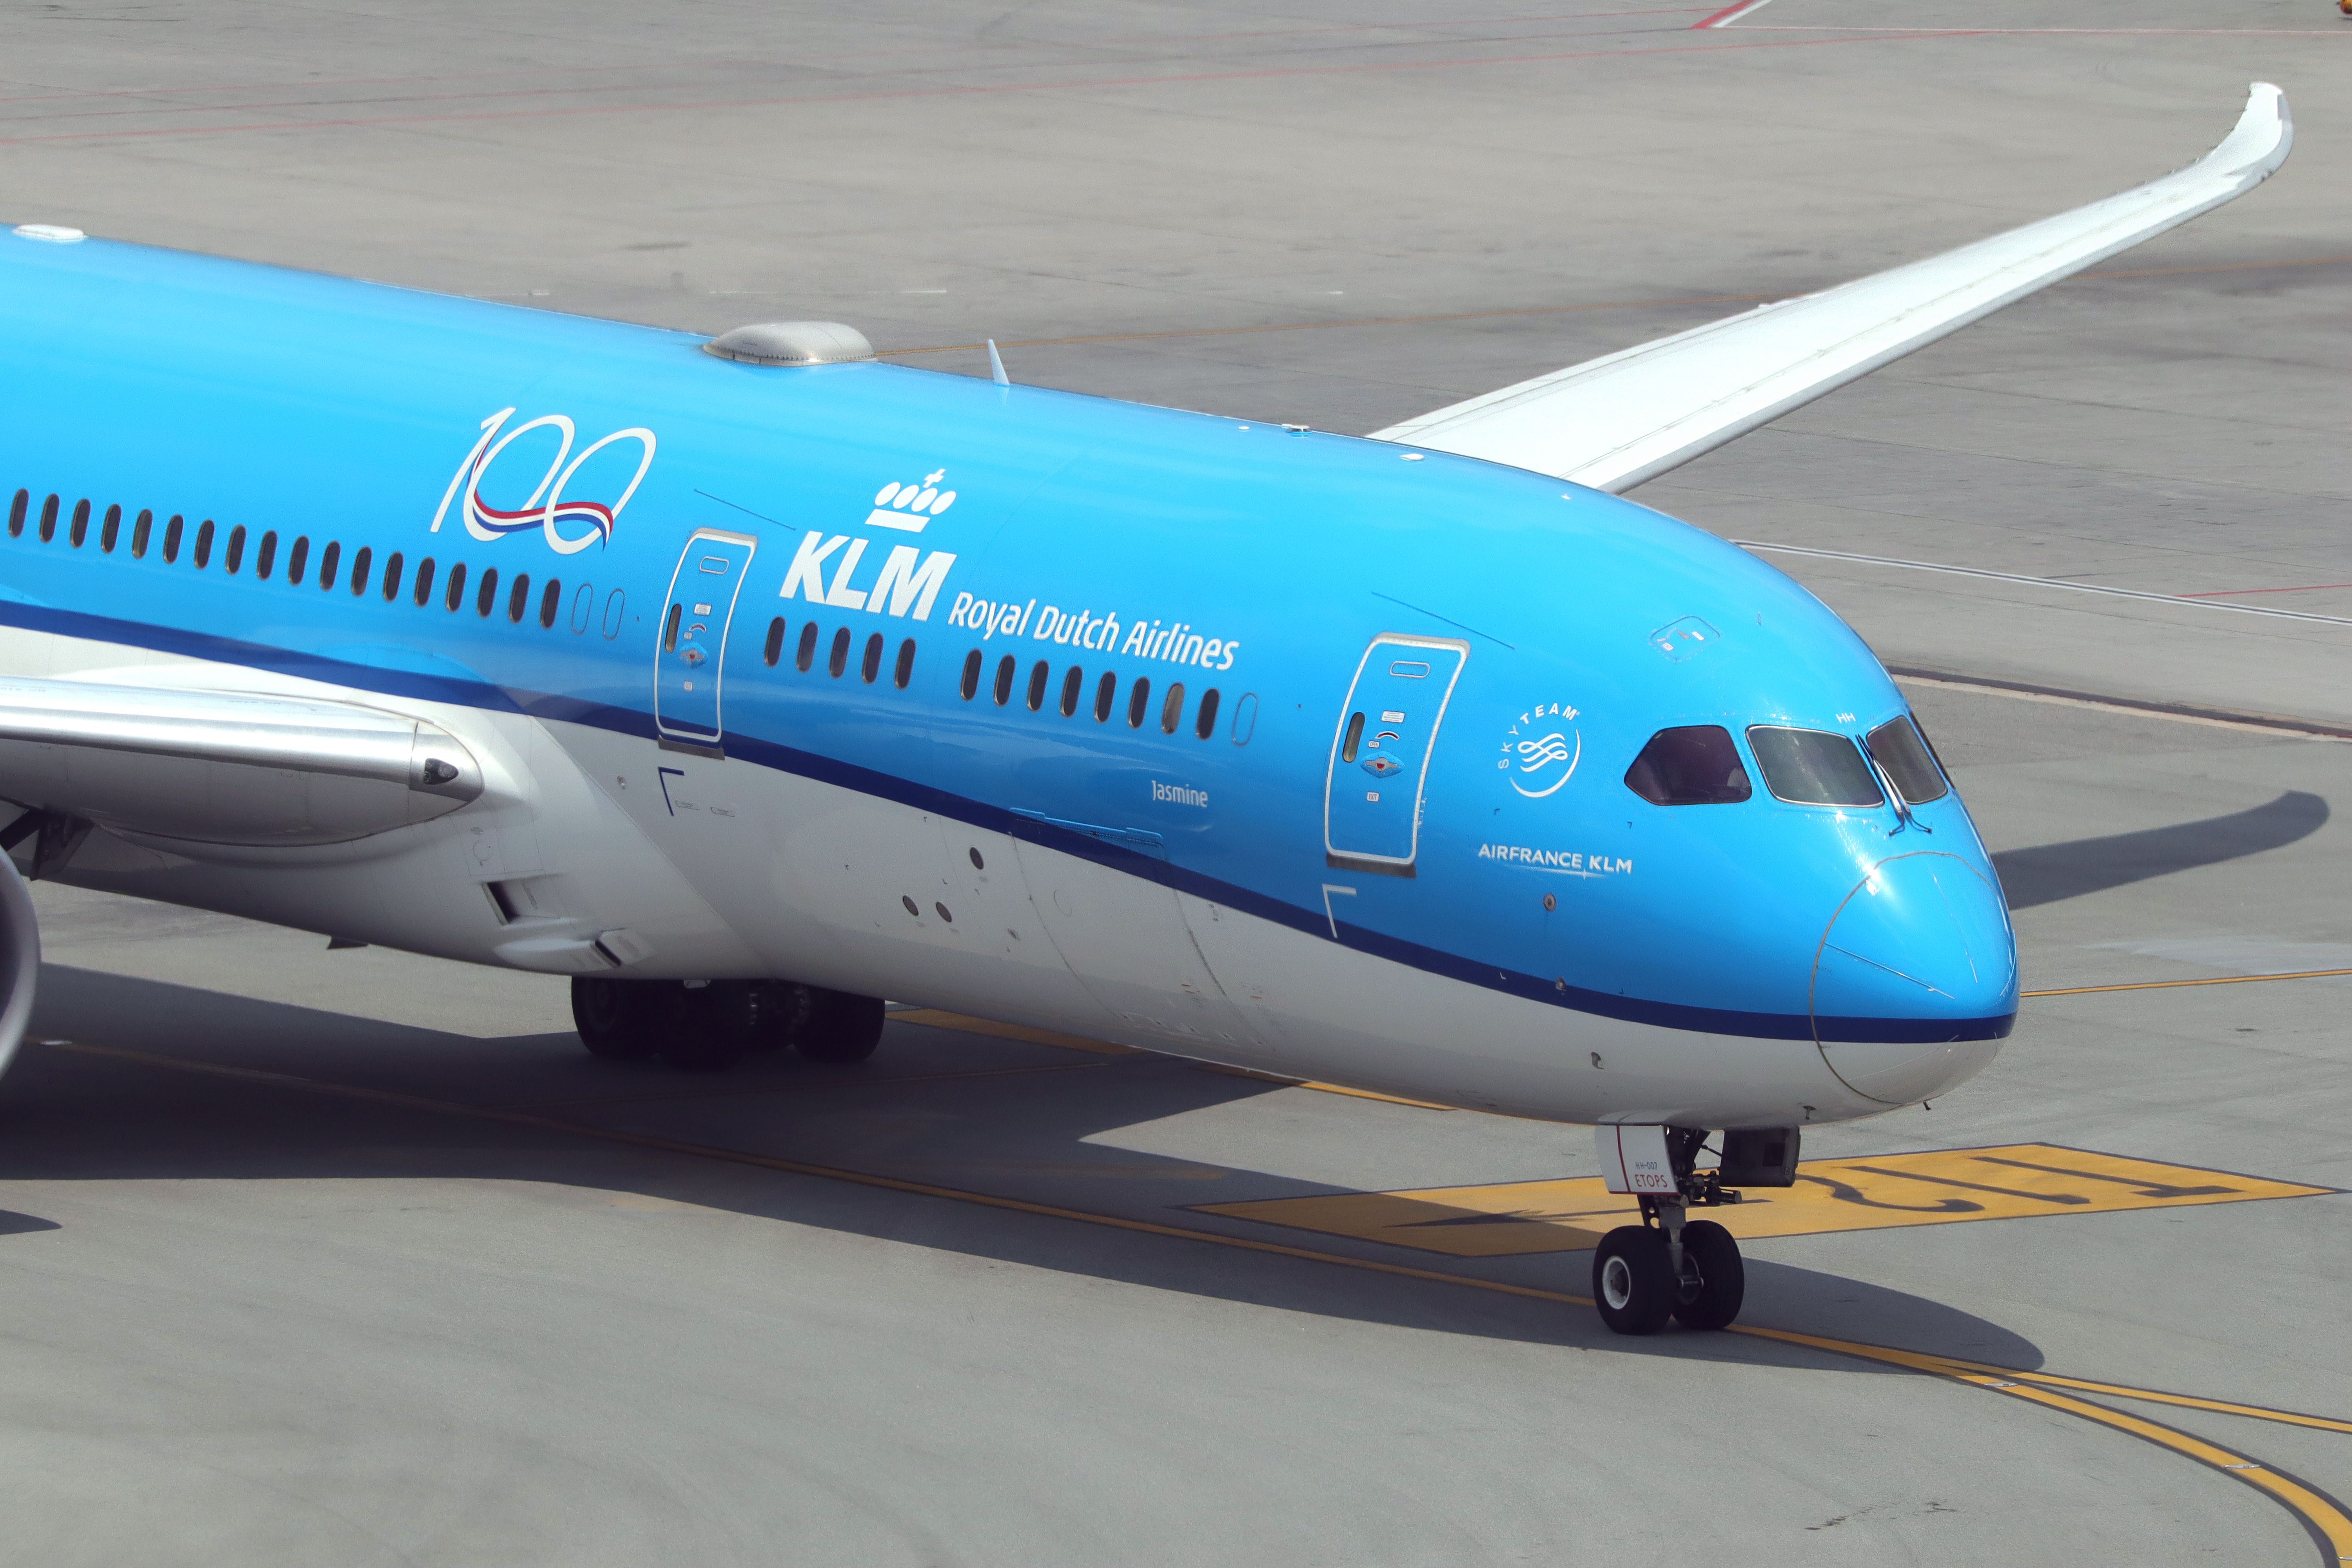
(1670,1266)
(709,1024)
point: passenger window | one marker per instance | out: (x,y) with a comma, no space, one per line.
(392,566)
(1106,693)
(1002,691)
(487,594)
(1172,711)
(1244,719)
(1692,765)
(454,594)
(807,654)
(331,566)
(837,659)
(968,686)
(1038,673)
(583,606)
(903,670)
(48,520)
(423,592)
(1813,767)
(80,523)
(1354,738)
(1074,681)
(1901,751)
(551,599)
(234,556)
(871,665)
(203,543)
(519,597)
(110,530)
(1206,724)
(171,539)
(362,564)
(266,556)
(298,558)
(669,628)
(617,606)
(17,512)
(1139,701)
(140,532)
(774,649)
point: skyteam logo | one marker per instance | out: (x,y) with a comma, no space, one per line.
(1542,750)
(569,525)
(825,568)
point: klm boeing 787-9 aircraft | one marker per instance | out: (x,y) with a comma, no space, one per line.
(750,681)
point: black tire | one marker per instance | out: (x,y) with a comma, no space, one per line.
(1713,1300)
(708,1028)
(781,1014)
(1631,1286)
(617,1019)
(839,1027)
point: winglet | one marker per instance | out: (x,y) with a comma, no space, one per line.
(2259,142)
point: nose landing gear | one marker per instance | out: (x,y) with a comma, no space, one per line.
(1670,1266)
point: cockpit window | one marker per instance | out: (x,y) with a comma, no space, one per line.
(1902,753)
(1693,764)
(1813,767)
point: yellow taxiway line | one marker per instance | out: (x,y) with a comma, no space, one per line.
(2329,1525)
(2170,984)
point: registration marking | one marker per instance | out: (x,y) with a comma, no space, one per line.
(1869,1192)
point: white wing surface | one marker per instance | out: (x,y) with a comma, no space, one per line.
(218,767)
(1611,422)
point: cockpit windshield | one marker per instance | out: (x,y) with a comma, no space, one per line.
(1902,753)
(1813,767)
(1692,765)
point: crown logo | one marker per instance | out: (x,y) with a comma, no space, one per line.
(912,505)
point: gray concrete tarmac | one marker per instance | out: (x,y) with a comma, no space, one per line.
(356,1258)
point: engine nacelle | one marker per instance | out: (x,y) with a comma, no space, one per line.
(20,959)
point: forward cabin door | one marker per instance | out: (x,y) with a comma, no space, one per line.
(1380,752)
(692,647)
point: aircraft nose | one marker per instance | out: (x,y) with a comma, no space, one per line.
(1914,983)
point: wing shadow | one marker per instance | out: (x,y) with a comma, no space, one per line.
(2050,873)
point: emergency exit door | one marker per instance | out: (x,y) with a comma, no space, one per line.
(691,652)
(1379,756)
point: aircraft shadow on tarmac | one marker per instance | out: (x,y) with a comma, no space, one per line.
(2049,873)
(935,1105)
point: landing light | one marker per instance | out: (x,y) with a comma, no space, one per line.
(53,233)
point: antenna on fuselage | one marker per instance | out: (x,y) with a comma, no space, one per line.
(996,366)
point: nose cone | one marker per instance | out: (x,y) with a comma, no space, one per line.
(1914,983)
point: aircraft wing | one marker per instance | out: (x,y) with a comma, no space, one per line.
(1613,422)
(218,767)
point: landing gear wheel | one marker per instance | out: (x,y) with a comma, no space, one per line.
(618,1019)
(780,1014)
(708,1028)
(839,1027)
(1713,1281)
(1632,1285)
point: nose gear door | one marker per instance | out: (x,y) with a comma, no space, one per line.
(693,641)
(1379,755)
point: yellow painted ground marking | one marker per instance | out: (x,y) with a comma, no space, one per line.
(1870,1193)
(2170,984)
(940,1020)
(2329,1525)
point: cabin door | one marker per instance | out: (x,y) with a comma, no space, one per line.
(692,650)
(1379,753)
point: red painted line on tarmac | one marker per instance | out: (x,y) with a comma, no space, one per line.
(2234,593)
(1731,13)
(1076,86)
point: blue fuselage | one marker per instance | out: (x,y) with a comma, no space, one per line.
(1497,845)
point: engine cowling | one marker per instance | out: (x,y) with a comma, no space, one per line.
(20,959)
